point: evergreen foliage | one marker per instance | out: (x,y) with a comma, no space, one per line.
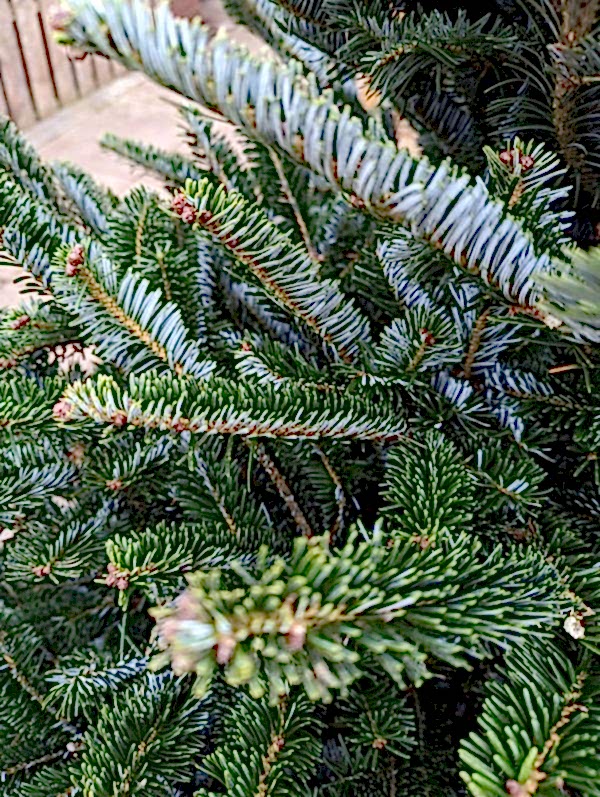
(299,477)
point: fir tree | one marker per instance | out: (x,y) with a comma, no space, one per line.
(299,475)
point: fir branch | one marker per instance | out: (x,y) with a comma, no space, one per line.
(372,321)
(233,408)
(156,559)
(428,489)
(77,683)
(393,597)
(340,497)
(475,342)
(27,405)
(118,312)
(214,490)
(164,733)
(546,743)
(173,167)
(266,750)
(576,25)
(439,205)
(49,758)
(257,243)
(92,204)
(19,158)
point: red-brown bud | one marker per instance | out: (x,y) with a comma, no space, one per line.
(62,410)
(188,214)
(114,484)
(427,337)
(59,18)
(178,202)
(526,161)
(75,259)
(185,210)
(119,419)
(20,322)
(76,454)
(116,578)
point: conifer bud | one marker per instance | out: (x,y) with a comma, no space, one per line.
(516,789)
(42,570)
(20,322)
(6,534)
(185,210)
(187,606)
(75,259)
(427,338)
(526,161)
(169,628)
(62,410)
(574,626)
(225,648)
(76,454)
(182,663)
(188,214)
(296,636)
(506,157)
(114,484)
(116,578)
(59,18)
(178,203)
(119,419)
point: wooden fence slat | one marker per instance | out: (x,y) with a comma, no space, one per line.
(6,101)
(47,54)
(36,75)
(23,59)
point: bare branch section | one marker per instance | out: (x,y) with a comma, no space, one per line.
(284,490)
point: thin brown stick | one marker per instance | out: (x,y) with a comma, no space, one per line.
(340,496)
(291,200)
(475,342)
(284,491)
